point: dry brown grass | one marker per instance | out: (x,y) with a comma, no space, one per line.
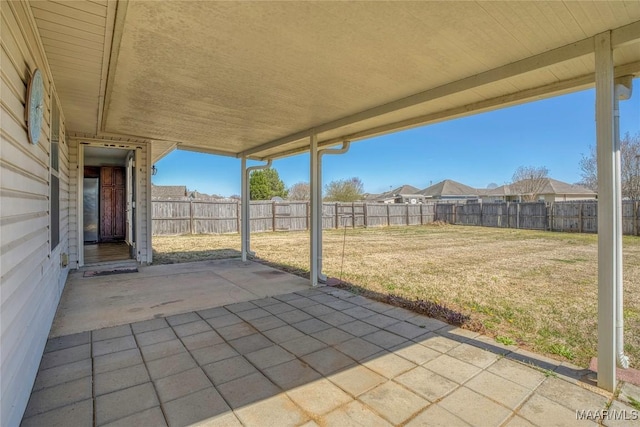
(538,289)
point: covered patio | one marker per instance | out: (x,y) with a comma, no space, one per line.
(260,81)
(294,355)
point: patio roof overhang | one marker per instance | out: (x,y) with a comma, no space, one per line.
(264,80)
(256,79)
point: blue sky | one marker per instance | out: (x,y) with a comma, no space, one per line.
(476,150)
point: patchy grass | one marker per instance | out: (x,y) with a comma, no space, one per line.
(537,288)
(505,340)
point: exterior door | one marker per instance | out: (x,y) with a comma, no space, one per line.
(112,204)
(129,204)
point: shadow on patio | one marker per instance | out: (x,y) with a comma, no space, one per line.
(289,356)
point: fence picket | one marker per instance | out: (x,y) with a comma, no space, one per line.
(171,217)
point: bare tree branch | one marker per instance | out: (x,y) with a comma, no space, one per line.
(529,181)
(629,167)
(345,190)
(300,191)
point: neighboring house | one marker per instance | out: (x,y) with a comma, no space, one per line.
(179,192)
(451,191)
(403,194)
(196,195)
(551,190)
(168,191)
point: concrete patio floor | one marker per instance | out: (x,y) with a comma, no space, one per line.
(307,357)
(90,303)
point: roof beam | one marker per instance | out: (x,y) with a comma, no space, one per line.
(107,77)
(564,53)
(106,60)
(625,35)
(620,36)
(169,148)
(540,92)
(195,149)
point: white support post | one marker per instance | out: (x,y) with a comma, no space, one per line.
(621,91)
(321,277)
(246,207)
(244,217)
(345,147)
(607,213)
(315,221)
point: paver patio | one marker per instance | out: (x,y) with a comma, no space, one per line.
(313,357)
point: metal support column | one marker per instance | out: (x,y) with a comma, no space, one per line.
(345,147)
(622,89)
(607,213)
(315,223)
(244,218)
(246,207)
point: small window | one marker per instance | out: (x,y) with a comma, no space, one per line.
(54,183)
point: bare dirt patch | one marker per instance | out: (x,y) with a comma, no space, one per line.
(536,289)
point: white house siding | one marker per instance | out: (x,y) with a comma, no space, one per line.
(32,277)
(73,203)
(568,197)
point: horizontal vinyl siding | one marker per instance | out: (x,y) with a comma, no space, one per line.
(32,277)
(73,203)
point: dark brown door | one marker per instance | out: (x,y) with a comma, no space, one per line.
(112,204)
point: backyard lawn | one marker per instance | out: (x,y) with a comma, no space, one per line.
(535,289)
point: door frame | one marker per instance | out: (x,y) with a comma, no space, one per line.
(136,148)
(129,202)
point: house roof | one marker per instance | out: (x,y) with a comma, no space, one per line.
(353,69)
(449,187)
(550,186)
(162,191)
(402,190)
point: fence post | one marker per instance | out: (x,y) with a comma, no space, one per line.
(364,210)
(191,231)
(353,214)
(388,215)
(518,216)
(421,214)
(238,216)
(337,217)
(549,215)
(580,219)
(273,215)
(636,218)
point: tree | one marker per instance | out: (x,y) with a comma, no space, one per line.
(265,184)
(629,167)
(300,191)
(344,190)
(529,181)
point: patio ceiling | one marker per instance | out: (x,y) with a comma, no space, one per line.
(256,78)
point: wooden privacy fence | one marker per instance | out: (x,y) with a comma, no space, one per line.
(171,217)
(576,216)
